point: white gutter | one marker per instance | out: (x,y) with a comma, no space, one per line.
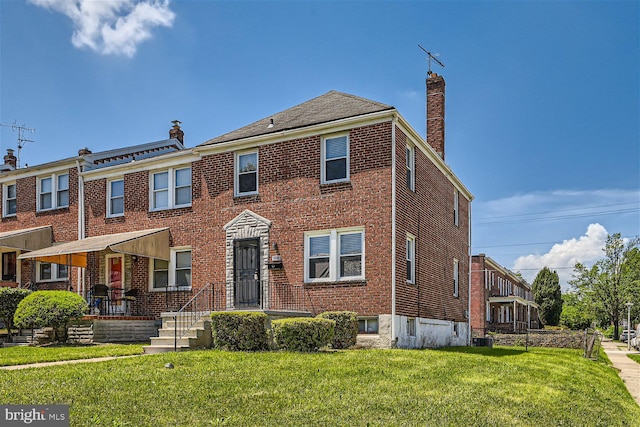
(394,336)
(81,221)
(470,265)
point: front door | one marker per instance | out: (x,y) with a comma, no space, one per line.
(115,282)
(246,273)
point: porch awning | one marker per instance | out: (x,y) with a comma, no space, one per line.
(27,239)
(511,299)
(152,243)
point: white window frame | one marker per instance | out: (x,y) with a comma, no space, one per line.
(411,167)
(236,173)
(110,197)
(323,166)
(334,254)
(55,191)
(366,321)
(411,326)
(171,282)
(411,258)
(6,199)
(456,278)
(55,273)
(171,189)
(456,207)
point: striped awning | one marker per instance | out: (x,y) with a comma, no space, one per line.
(151,243)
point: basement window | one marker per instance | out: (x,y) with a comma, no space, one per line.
(368,325)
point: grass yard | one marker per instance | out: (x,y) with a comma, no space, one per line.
(634,357)
(25,355)
(449,387)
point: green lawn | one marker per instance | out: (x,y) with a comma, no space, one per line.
(634,357)
(25,355)
(450,387)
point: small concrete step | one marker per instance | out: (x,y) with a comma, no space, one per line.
(183,342)
(157,349)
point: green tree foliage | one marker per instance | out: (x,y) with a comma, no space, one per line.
(547,294)
(611,282)
(9,300)
(50,308)
(575,312)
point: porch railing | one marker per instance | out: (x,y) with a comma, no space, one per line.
(189,314)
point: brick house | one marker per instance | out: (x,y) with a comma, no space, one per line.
(501,301)
(334,204)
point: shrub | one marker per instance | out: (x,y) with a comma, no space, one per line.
(303,333)
(50,308)
(240,331)
(9,300)
(346,331)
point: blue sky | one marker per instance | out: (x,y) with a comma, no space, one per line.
(542,107)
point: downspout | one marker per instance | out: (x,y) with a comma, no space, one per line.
(81,221)
(469,284)
(394,336)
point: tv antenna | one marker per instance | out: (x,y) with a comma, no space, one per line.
(431,57)
(21,129)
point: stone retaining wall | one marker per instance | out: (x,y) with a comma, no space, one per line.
(558,339)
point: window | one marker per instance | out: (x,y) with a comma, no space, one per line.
(9,206)
(246,173)
(456,278)
(115,198)
(411,326)
(53,192)
(173,273)
(335,159)
(9,266)
(368,326)
(48,272)
(171,189)
(455,207)
(411,257)
(410,168)
(334,255)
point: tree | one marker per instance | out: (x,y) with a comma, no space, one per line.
(547,294)
(612,281)
(9,300)
(50,308)
(575,312)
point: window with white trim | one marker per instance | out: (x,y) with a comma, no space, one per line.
(455,207)
(53,192)
(456,278)
(246,176)
(411,326)
(175,273)
(333,255)
(411,259)
(9,205)
(115,198)
(171,189)
(49,272)
(335,159)
(368,325)
(410,160)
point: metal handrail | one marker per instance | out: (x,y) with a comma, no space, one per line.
(189,318)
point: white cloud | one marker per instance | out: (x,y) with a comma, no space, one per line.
(585,249)
(112,26)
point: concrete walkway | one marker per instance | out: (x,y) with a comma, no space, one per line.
(65,362)
(628,370)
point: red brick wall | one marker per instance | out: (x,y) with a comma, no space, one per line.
(479,295)
(427,214)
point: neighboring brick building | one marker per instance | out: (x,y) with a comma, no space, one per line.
(501,301)
(334,204)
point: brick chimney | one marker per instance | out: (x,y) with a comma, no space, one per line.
(435,113)
(84,151)
(10,159)
(175,132)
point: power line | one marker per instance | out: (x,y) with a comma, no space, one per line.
(534,244)
(566,210)
(561,217)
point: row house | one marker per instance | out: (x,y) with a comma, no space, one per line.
(333,204)
(501,301)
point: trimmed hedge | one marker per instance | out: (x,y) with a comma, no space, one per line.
(240,330)
(9,300)
(303,333)
(49,308)
(346,332)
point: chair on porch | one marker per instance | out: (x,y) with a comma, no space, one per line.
(99,297)
(130,297)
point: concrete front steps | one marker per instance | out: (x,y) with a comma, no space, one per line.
(198,336)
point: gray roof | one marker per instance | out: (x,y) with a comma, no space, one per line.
(331,106)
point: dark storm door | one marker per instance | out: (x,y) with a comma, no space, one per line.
(247,273)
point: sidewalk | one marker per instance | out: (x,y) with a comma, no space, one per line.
(65,362)
(628,370)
